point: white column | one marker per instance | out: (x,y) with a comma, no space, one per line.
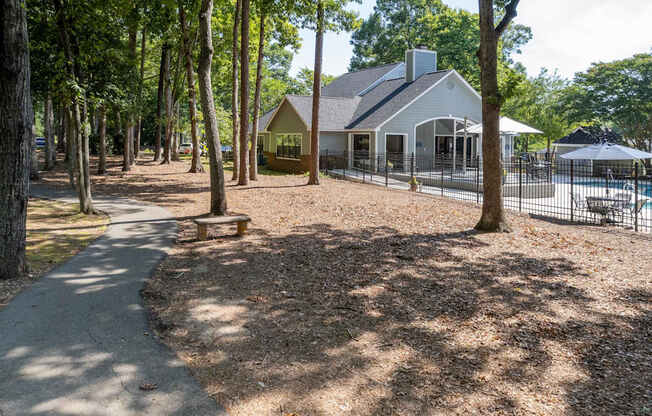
(479,145)
(349,145)
(454,143)
(464,148)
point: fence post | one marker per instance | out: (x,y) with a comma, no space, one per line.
(477,179)
(386,171)
(520,183)
(346,162)
(362,166)
(571,190)
(412,165)
(636,196)
(326,161)
(442,176)
(378,164)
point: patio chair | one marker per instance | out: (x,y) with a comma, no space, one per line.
(580,206)
(598,206)
(636,208)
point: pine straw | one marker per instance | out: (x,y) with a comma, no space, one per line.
(353,299)
(56,231)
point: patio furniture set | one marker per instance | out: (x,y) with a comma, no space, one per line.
(610,209)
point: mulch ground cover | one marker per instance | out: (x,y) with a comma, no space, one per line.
(352,299)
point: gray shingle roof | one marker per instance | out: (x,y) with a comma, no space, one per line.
(389,97)
(362,112)
(350,84)
(591,135)
(264,119)
(334,112)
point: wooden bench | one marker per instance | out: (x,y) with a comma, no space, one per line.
(203,223)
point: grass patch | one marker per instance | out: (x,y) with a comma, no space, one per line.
(56,231)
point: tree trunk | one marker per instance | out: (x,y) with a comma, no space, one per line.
(33,159)
(243,177)
(493,217)
(253,152)
(61,132)
(139,122)
(85,198)
(16,119)
(218,192)
(168,114)
(234,92)
(176,135)
(126,146)
(165,64)
(316,95)
(133,35)
(79,118)
(195,164)
(70,146)
(48,123)
(101,167)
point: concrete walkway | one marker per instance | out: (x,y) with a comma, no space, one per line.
(77,342)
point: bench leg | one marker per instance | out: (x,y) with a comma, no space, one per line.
(202,232)
(242,228)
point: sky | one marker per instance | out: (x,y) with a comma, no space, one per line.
(568,35)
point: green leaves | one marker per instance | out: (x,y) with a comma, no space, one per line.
(454,33)
(618,92)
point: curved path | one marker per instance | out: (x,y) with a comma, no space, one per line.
(77,341)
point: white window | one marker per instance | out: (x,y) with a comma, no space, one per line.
(288,145)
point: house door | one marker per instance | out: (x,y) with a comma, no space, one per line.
(394,151)
(360,150)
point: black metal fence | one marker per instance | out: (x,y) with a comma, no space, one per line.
(576,191)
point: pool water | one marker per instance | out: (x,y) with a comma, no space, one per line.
(643,188)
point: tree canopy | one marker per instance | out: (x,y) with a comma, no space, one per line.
(396,26)
(617,93)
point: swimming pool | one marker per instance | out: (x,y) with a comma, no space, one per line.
(644,188)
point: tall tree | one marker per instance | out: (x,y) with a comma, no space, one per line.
(65,21)
(397,25)
(536,102)
(16,119)
(218,191)
(141,80)
(235,48)
(101,166)
(253,152)
(195,165)
(243,177)
(163,67)
(48,124)
(316,96)
(617,92)
(493,217)
(322,16)
(167,86)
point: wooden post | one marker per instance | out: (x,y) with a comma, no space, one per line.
(202,232)
(242,227)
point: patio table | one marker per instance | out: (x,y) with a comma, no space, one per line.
(606,206)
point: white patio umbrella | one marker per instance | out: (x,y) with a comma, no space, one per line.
(507,126)
(607,151)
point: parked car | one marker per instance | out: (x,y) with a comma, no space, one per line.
(40,142)
(185,148)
